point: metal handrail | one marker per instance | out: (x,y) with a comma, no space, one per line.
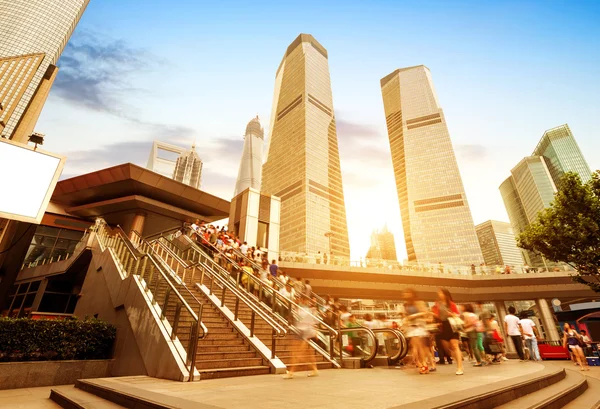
(135,264)
(147,246)
(278,330)
(262,287)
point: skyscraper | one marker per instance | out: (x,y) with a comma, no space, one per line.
(188,168)
(527,191)
(562,154)
(498,244)
(534,181)
(32,27)
(437,221)
(249,174)
(383,245)
(303,164)
(163,158)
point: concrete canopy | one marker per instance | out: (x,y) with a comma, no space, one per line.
(120,192)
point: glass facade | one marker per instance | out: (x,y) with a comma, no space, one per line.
(383,245)
(562,154)
(303,165)
(36,26)
(250,172)
(498,244)
(52,242)
(436,219)
(526,192)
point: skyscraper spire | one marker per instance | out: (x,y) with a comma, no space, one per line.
(249,174)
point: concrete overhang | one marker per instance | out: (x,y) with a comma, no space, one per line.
(128,188)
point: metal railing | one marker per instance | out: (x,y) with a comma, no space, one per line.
(282,308)
(147,269)
(200,270)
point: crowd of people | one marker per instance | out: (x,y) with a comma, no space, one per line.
(444,333)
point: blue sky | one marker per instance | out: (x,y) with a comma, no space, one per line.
(179,71)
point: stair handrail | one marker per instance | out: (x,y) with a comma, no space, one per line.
(135,264)
(278,330)
(262,286)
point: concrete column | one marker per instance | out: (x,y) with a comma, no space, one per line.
(501,313)
(137,225)
(547,318)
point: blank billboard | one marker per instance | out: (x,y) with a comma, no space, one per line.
(27,179)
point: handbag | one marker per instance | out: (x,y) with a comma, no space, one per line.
(456,323)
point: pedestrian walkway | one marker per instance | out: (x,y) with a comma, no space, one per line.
(363,388)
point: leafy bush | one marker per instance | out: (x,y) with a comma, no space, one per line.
(24,339)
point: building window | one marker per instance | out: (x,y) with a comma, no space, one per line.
(52,242)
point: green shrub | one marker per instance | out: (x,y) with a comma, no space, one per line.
(26,339)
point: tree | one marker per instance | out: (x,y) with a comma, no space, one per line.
(569,230)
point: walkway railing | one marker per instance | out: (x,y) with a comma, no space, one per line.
(55,259)
(164,294)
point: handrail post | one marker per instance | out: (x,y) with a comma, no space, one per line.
(163,310)
(176,321)
(252,319)
(273,344)
(237,308)
(223,297)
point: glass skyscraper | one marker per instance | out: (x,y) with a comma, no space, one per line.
(303,165)
(436,219)
(534,181)
(35,26)
(188,168)
(383,245)
(562,154)
(249,174)
(498,244)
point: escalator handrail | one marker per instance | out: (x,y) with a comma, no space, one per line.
(371,335)
(280,329)
(403,348)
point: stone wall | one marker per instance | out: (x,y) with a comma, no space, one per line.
(47,373)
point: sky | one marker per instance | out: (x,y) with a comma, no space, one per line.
(194,70)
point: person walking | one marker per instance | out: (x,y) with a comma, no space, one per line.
(306,326)
(530,335)
(573,340)
(472,327)
(447,314)
(511,328)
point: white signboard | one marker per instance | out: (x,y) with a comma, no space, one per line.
(27,179)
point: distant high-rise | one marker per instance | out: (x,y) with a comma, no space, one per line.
(562,154)
(188,168)
(383,245)
(498,244)
(163,158)
(33,27)
(437,221)
(249,174)
(534,181)
(303,164)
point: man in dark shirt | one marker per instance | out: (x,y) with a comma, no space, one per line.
(273,268)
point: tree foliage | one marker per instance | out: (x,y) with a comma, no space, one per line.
(569,230)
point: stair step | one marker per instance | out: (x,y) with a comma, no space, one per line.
(220,342)
(231,372)
(553,396)
(231,363)
(222,348)
(590,399)
(207,356)
(70,397)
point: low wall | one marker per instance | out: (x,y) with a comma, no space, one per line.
(15,375)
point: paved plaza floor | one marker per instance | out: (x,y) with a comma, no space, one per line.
(344,388)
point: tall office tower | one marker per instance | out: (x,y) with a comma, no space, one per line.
(498,244)
(383,245)
(528,190)
(188,168)
(33,27)
(249,174)
(163,158)
(437,221)
(562,154)
(303,163)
